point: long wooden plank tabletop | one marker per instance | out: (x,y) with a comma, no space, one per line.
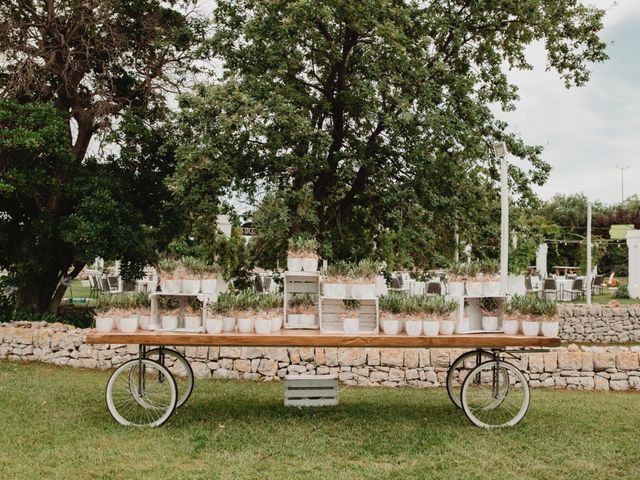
(313,338)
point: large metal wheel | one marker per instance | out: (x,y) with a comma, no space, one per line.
(141,393)
(459,370)
(179,368)
(495,394)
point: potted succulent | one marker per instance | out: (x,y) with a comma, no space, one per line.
(546,312)
(169,279)
(490,278)
(350,316)
(431,310)
(244,307)
(193,316)
(414,315)
(209,278)
(364,274)
(301,310)
(513,311)
(124,312)
(219,314)
(456,278)
(531,311)
(302,255)
(143,304)
(104,315)
(272,305)
(445,309)
(391,310)
(489,307)
(336,280)
(191,273)
(169,313)
(262,319)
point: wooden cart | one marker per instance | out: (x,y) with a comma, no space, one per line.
(491,391)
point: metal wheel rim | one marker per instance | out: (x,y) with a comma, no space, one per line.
(486,404)
(454,391)
(183,375)
(150,406)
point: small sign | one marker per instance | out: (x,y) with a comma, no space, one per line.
(619,232)
(248,230)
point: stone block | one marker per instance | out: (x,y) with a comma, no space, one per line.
(412,374)
(396,375)
(627,361)
(601,383)
(425,357)
(587,361)
(279,354)
(392,357)
(230,352)
(619,385)
(223,373)
(571,360)
(550,361)
(200,370)
(411,358)
(267,367)
(536,363)
(440,358)
(294,355)
(307,354)
(377,376)
(332,356)
(603,360)
(373,356)
(242,365)
(352,356)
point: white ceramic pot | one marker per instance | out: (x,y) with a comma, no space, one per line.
(263,326)
(209,285)
(363,290)
(474,289)
(491,289)
(413,327)
(446,327)
(391,327)
(245,324)
(170,286)
(310,264)
(144,321)
(550,329)
(530,328)
(510,326)
(335,290)
(169,322)
(489,323)
(431,327)
(129,324)
(455,289)
(192,323)
(294,264)
(351,325)
(104,324)
(276,323)
(228,324)
(191,286)
(214,325)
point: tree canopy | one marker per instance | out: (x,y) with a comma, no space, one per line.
(369,124)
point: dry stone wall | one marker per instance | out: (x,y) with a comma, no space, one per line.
(579,367)
(600,324)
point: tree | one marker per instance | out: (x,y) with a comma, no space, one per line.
(380,108)
(93,61)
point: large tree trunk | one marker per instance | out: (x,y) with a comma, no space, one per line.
(43,291)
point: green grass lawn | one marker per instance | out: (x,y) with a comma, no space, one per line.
(606,298)
(77,290)
(55,425)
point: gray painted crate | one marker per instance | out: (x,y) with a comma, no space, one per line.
(331,308)
(311,391)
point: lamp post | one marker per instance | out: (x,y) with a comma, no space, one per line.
(622,168)
(500,151)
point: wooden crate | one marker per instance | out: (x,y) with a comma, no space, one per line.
(469,315)
(311,391)
(331,308)
(299,282)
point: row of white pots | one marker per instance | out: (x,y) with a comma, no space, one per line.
(349,290)
(127,324)
(259,325)
(189,286)
(298,264)
(418,327)
(530,328)
(474,289)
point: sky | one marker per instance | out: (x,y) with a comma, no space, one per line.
(588,131)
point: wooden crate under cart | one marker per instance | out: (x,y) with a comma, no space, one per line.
(311,391)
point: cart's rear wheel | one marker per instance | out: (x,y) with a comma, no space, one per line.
(459,370)
(179,368)
(495,394)
(141,393)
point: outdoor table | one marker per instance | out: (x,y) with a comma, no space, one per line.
(493,391)
(564,270)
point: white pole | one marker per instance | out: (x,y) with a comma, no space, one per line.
(504,226)
(588,282)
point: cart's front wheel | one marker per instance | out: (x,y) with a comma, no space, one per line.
(488,401)
(459,370)
(179,368)
(141,393)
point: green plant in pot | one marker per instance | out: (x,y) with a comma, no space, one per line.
(393,307)
(169,271)
(302,254)
(350,316)
(490,311)
(210,273)
(301,310)
(513,314)
(191,272)
(272,305)
(490,278)
(365,274)
(430,308)
(337,279)
(414,315)
(445,309)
